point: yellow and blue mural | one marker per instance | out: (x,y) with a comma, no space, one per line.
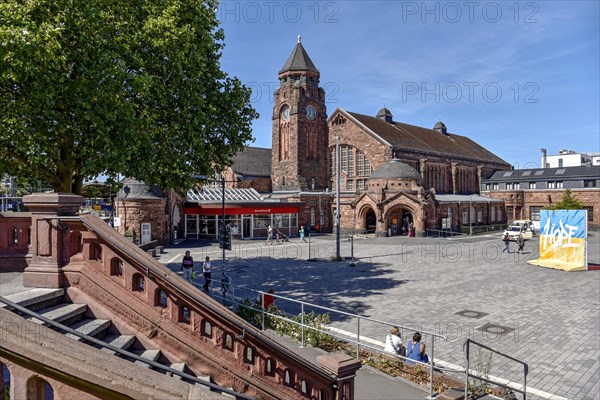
(563,235)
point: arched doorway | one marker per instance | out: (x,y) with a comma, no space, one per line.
(399,220)
(370,221)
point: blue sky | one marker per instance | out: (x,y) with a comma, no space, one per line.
(513,76)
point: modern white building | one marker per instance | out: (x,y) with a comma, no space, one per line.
(569,158)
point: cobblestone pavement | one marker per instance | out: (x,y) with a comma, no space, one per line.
(456,287)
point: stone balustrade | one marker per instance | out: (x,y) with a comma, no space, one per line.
(15,238)
(117,280)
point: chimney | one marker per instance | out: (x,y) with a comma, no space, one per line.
(544,157)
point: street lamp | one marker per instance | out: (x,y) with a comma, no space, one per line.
(470,217)
(337,198)
(224,235)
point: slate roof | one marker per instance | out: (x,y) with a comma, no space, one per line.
(138,190)
(396,169)
(463,198)
(299,61)
(545,174)
(423,140)
(252,162)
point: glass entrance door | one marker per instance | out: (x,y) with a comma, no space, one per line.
(247,227)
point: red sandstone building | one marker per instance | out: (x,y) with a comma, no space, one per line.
(391,174)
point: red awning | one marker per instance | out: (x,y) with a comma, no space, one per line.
(239,210)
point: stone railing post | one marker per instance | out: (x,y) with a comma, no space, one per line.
(48,237)
(344,367)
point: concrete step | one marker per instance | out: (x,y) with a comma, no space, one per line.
(90,327)
(201,392)
(120,341)
(181,367)
(211,380)
(147,354)
(35,299)
(61,313)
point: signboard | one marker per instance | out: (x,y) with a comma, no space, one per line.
(445,223)
(563,235)
(116,222)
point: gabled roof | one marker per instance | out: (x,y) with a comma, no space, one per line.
(545,174)
(299,61)
(252,162)
(423,140)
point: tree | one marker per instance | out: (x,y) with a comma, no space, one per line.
(94,87)
(568,202)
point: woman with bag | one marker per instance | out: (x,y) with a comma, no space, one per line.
(393,342)
(186,266)
(416,350)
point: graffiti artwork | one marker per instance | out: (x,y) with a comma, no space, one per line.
(563,235)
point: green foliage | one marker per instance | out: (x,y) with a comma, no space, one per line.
(481,364)
(249,312)
(93,87)
(315,324)
(568,202)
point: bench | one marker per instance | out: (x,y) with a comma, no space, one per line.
(152,252)
(160,249)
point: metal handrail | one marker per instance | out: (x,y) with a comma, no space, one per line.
(122,352)
(138,256)
(357,342)
(467,373)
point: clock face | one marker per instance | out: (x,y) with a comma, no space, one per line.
(311,113)
(285,113)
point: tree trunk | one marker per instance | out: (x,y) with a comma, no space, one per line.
(77,184)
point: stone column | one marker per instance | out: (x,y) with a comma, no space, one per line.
(48,237)
(344,367)
(454,178)
(479,168)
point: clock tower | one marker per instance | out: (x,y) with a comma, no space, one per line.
(300,138)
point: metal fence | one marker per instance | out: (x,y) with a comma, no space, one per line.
(235,295)
(483,376)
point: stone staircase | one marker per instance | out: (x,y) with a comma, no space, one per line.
(51,304)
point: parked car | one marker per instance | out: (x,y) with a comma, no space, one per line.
(514,231)
(522,222)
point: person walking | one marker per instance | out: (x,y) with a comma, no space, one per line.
(506,239)
(302,235)
(186,266)
(521,243)
(307,230)
(269,235)
(207,272)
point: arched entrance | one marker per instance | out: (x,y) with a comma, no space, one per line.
(370,221)
(399,220)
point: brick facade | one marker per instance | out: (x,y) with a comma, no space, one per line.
(519,202)
(299,143)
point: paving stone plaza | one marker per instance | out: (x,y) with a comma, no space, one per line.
(463,287)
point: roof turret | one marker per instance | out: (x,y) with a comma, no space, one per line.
(299,60)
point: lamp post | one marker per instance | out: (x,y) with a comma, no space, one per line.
(337,198)
(222,230)
(470,217)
